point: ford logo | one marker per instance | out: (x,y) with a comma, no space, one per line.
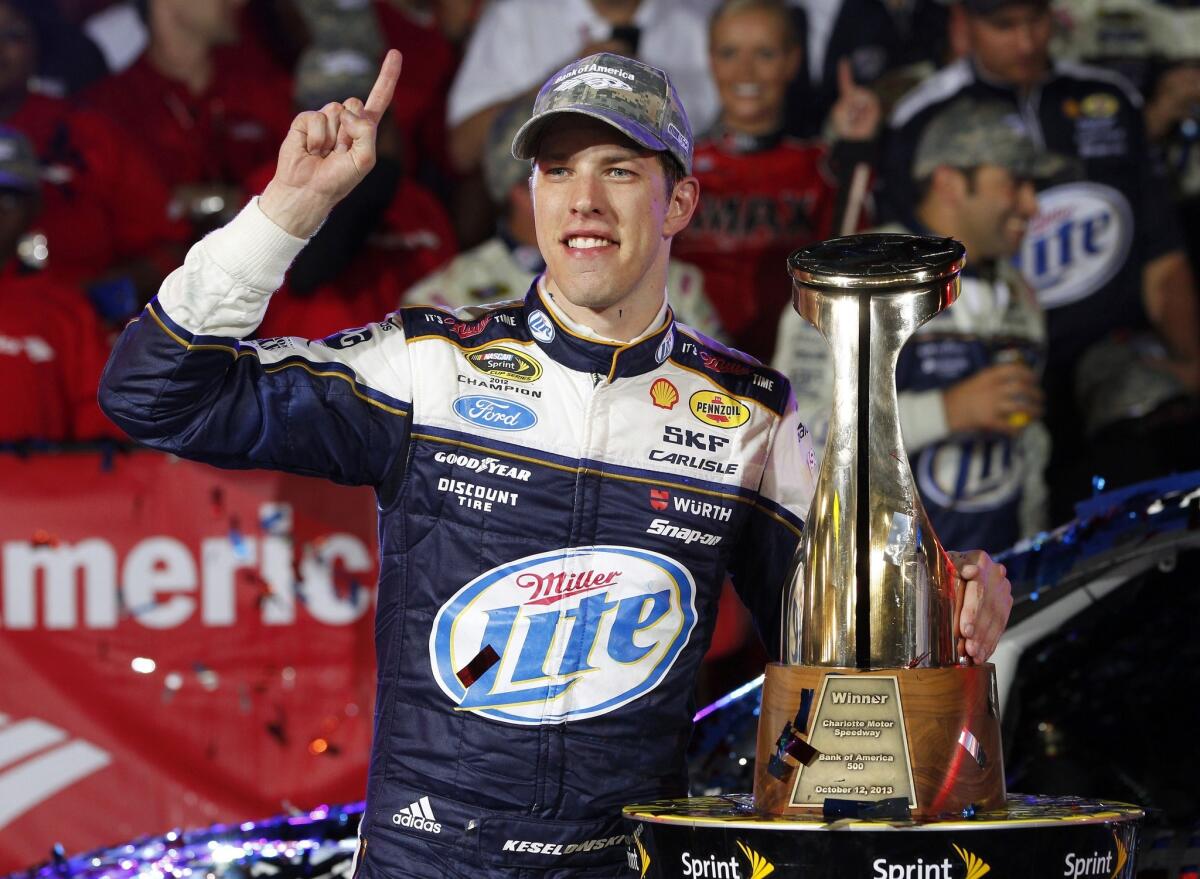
(494,413)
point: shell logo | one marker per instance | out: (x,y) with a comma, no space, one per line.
(664,394)
(719,410)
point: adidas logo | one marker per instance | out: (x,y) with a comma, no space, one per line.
(37,761)
(418,816)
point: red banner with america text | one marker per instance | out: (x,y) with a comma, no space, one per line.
(179,645)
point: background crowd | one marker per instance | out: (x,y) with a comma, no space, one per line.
(1056,141)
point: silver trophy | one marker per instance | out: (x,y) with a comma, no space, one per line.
(872,587)
(871,702)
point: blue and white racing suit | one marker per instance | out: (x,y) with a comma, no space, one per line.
(557,515)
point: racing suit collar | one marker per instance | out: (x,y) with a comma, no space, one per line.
(582,349)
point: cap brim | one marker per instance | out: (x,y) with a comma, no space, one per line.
(524,145)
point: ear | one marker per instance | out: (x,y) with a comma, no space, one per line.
(683,204)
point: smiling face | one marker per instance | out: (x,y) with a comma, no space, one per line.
(604,223)
(995,211)
(753,59)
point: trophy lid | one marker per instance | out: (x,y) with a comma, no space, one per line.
(877,261)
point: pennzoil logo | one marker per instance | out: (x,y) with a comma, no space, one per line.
(719,410)
(505,363)
(759,866)
(663,394)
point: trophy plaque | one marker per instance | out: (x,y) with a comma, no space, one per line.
(871,702)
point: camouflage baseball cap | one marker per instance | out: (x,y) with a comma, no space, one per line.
(18,163)
(635,98)
(968,133)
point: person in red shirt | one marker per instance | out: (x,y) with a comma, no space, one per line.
(383,238)
(207,119)
(763,193)
(103,206)
(51,349)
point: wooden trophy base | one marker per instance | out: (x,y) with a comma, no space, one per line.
(931,735)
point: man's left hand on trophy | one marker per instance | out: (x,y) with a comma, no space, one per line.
(984,596)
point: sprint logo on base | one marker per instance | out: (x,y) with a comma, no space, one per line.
(418,816)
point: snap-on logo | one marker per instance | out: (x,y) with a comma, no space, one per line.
(719,410)
(494,413)
(505,363)
(579,632)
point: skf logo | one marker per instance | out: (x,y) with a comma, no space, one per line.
(693,439)
(505,363)
(663,394)
(579,632)
(719,410)
(659,498)
(759,866)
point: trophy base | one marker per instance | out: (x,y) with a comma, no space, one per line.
(1028,836)
(930,736)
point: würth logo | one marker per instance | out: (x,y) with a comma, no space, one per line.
(37,761)
(418,816)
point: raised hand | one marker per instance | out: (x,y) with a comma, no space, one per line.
(857,113)
(325,155)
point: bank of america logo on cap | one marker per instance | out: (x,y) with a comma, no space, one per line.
(594,81)
(635,98)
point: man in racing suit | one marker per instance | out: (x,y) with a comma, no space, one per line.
(562,482)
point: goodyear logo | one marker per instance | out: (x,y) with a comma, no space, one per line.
(505,363)
(578,632)
(719,410)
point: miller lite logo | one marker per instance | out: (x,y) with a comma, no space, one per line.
(1077,243)
(972,476)
(719,410)
(664,394)
(579,632)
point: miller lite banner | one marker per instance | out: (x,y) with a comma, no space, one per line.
(179,646)
(1077,243)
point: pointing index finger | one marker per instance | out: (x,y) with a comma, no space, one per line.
(846,82)
(385,85)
